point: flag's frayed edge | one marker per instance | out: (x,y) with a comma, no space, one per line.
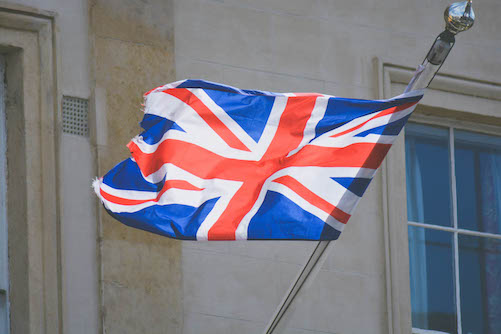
(96,185)
(137,139)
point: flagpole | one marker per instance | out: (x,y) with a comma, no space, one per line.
(301,283)
(458,17)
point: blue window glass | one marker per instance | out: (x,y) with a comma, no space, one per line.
(478,181)
(432,279)
(480,284)
(428,175)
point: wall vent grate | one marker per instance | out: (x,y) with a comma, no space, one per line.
(76,116)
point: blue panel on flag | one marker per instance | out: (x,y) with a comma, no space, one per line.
(392,129)
(173,220)
(250,112)
(156,127)
(329,233)
(295,222)
(355,185)
(340,111)
(213,86)
(127,175)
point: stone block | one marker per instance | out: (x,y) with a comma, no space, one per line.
(125,71)
(312,8)
(224,35)
(187,68)
(336,299)
(293,252)
(270,81)
(141,284)
(197,323)
(300,46)
(79,236)
(231,286)
(147,22)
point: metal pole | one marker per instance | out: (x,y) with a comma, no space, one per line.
(458,17)
(302,281)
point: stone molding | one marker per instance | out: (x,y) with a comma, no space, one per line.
(28,41)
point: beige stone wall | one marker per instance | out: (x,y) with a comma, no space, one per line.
(132,52)
(151,284)
(325,46)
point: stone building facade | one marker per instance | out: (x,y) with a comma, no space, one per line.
(68,267)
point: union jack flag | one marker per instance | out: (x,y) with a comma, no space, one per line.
(219,163)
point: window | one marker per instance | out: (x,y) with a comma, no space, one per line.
(454,225)
(3,216)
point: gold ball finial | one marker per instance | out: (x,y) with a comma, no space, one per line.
(459,17)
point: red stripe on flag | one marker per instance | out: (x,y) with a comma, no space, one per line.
(208,116)
(192,158)
(361,155)
(170,184)
(291,126)
(379,114)
(307,94)
(313,198)
(240,204)
(149,92)
(206,164)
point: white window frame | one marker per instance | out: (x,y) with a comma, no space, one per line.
(426,331)
(451,100)
(455,230)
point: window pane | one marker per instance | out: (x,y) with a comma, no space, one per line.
(428,175)
(480,280)
(478,181)
(432,279)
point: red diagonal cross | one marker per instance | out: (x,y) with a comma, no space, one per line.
(208,165)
